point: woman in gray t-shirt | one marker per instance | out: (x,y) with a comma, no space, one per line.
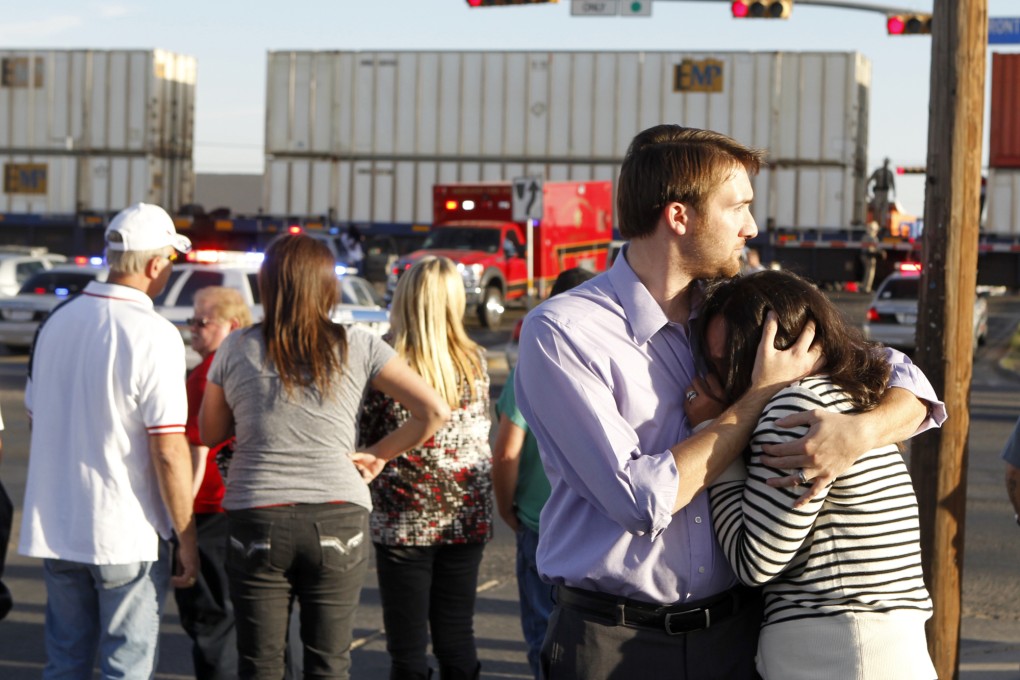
(289,389)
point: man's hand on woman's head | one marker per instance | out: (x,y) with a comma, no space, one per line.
(775,369)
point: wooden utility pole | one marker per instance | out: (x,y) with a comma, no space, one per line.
(945,315)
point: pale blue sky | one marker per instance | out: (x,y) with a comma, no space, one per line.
(230,39)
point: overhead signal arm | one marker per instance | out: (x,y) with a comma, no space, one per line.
(898,21)
(496,3)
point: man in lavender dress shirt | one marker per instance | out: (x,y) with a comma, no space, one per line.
(603,371)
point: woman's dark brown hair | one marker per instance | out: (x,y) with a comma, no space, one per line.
(854,364)
(299,290)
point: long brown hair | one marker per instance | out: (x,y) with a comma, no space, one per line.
(428,331)
(855,364)
(299,290)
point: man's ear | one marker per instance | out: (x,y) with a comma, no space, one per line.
(155,265)
(677,216)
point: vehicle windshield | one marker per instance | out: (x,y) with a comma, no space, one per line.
(161,298)
(58,283)
(358,291)
(463,238)
(901,289)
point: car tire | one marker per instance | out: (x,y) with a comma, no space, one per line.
(490,311)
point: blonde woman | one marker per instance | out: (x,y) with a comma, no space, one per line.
(432,506)
(297,508)
(205,610)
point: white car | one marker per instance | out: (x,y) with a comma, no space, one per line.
(891,318)
(177,301)
(19,263)
(21,314)
(359,305)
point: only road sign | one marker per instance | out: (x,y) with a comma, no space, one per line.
(527,198)
(593,8)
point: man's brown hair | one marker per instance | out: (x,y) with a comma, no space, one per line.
(673,164)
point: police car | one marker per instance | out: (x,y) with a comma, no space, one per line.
(20,263)
(359,304)
(21,314)
(891,318)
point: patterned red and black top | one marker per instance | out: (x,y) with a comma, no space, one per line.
(441,492)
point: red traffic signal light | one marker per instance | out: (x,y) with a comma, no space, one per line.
(761,9)
(912,23)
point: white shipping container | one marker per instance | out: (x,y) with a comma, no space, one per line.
(63,184)
(1002,216)
(363,136)
(97,102)
(400,192)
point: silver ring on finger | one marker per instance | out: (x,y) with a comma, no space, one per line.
(692,395)
(802,478)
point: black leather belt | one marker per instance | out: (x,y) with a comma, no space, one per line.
(673,619)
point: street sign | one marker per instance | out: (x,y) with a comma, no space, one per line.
(594,8)
(1003,30)
(527,198)
(636,8)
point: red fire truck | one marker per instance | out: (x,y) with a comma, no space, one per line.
(473,225)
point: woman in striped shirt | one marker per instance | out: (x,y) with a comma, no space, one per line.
(844,595)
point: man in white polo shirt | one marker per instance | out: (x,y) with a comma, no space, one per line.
(110,473)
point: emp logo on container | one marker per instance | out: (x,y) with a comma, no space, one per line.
(698,76)
(24,178)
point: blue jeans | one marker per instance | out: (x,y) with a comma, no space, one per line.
(317,553)
(110,609)
(536,596)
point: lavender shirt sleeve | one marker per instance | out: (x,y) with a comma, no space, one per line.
(907,376)
(569,398)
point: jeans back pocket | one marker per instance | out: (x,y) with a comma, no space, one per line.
(249,544)
(342,541)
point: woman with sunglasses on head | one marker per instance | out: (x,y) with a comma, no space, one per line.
(433,507)
(297,506)
(844,592)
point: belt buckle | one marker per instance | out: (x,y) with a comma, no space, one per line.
(694,619)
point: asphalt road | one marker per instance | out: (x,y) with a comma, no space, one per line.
(991,627)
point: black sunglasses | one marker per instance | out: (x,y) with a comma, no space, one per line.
(199,321)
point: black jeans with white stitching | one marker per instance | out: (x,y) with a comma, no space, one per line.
(317,553)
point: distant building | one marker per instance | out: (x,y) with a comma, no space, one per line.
(241,193)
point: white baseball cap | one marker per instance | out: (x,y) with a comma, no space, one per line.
(144,226)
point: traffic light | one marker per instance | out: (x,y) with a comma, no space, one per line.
(493,3)
(761,9)
(911,23)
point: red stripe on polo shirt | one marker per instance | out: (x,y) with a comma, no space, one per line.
(162,428)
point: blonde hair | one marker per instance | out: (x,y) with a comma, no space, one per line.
(428,329)
(227,304)
(133,261)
